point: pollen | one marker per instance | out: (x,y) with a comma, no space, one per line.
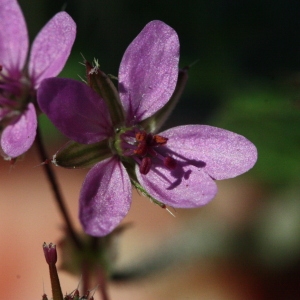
(160,140)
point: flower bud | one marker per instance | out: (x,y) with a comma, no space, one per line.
(51,259)
(50,253)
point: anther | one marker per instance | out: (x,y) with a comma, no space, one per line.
(141,136)
(160,140)
(145,165)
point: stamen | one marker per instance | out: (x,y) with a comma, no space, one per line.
(145,165)
(141,136)
(143,147)
(160,140)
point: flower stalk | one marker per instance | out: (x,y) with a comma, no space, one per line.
(56,190)
(51,259)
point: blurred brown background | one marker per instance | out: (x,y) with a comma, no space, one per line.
(245,244)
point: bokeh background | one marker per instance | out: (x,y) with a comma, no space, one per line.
(245,244)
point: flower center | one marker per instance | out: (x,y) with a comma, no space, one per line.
(15,93)
(9,87)
(144,148)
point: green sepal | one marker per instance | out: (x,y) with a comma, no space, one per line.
(130,168)
(102,84)
(74,155)
(146,194)
(154,123)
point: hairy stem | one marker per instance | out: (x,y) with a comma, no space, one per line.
(56,290)
(56,190)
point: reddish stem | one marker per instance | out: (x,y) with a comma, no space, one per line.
(102,285)
(56,190)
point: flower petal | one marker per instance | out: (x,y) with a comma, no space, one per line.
(18,137)
(13,36)
(51,48)
(185,187)
(105,197)
(148,71)
(153,123)
(75,109)
(225,153)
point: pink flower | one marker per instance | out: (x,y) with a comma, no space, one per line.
(177,167)
(49,52)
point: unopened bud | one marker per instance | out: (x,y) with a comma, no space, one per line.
(51,259)
(50,253)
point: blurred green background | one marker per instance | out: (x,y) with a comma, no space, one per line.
(246,79)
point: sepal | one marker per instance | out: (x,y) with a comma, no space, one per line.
(74,155)
(146,194)
(102,84)
(154,123)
